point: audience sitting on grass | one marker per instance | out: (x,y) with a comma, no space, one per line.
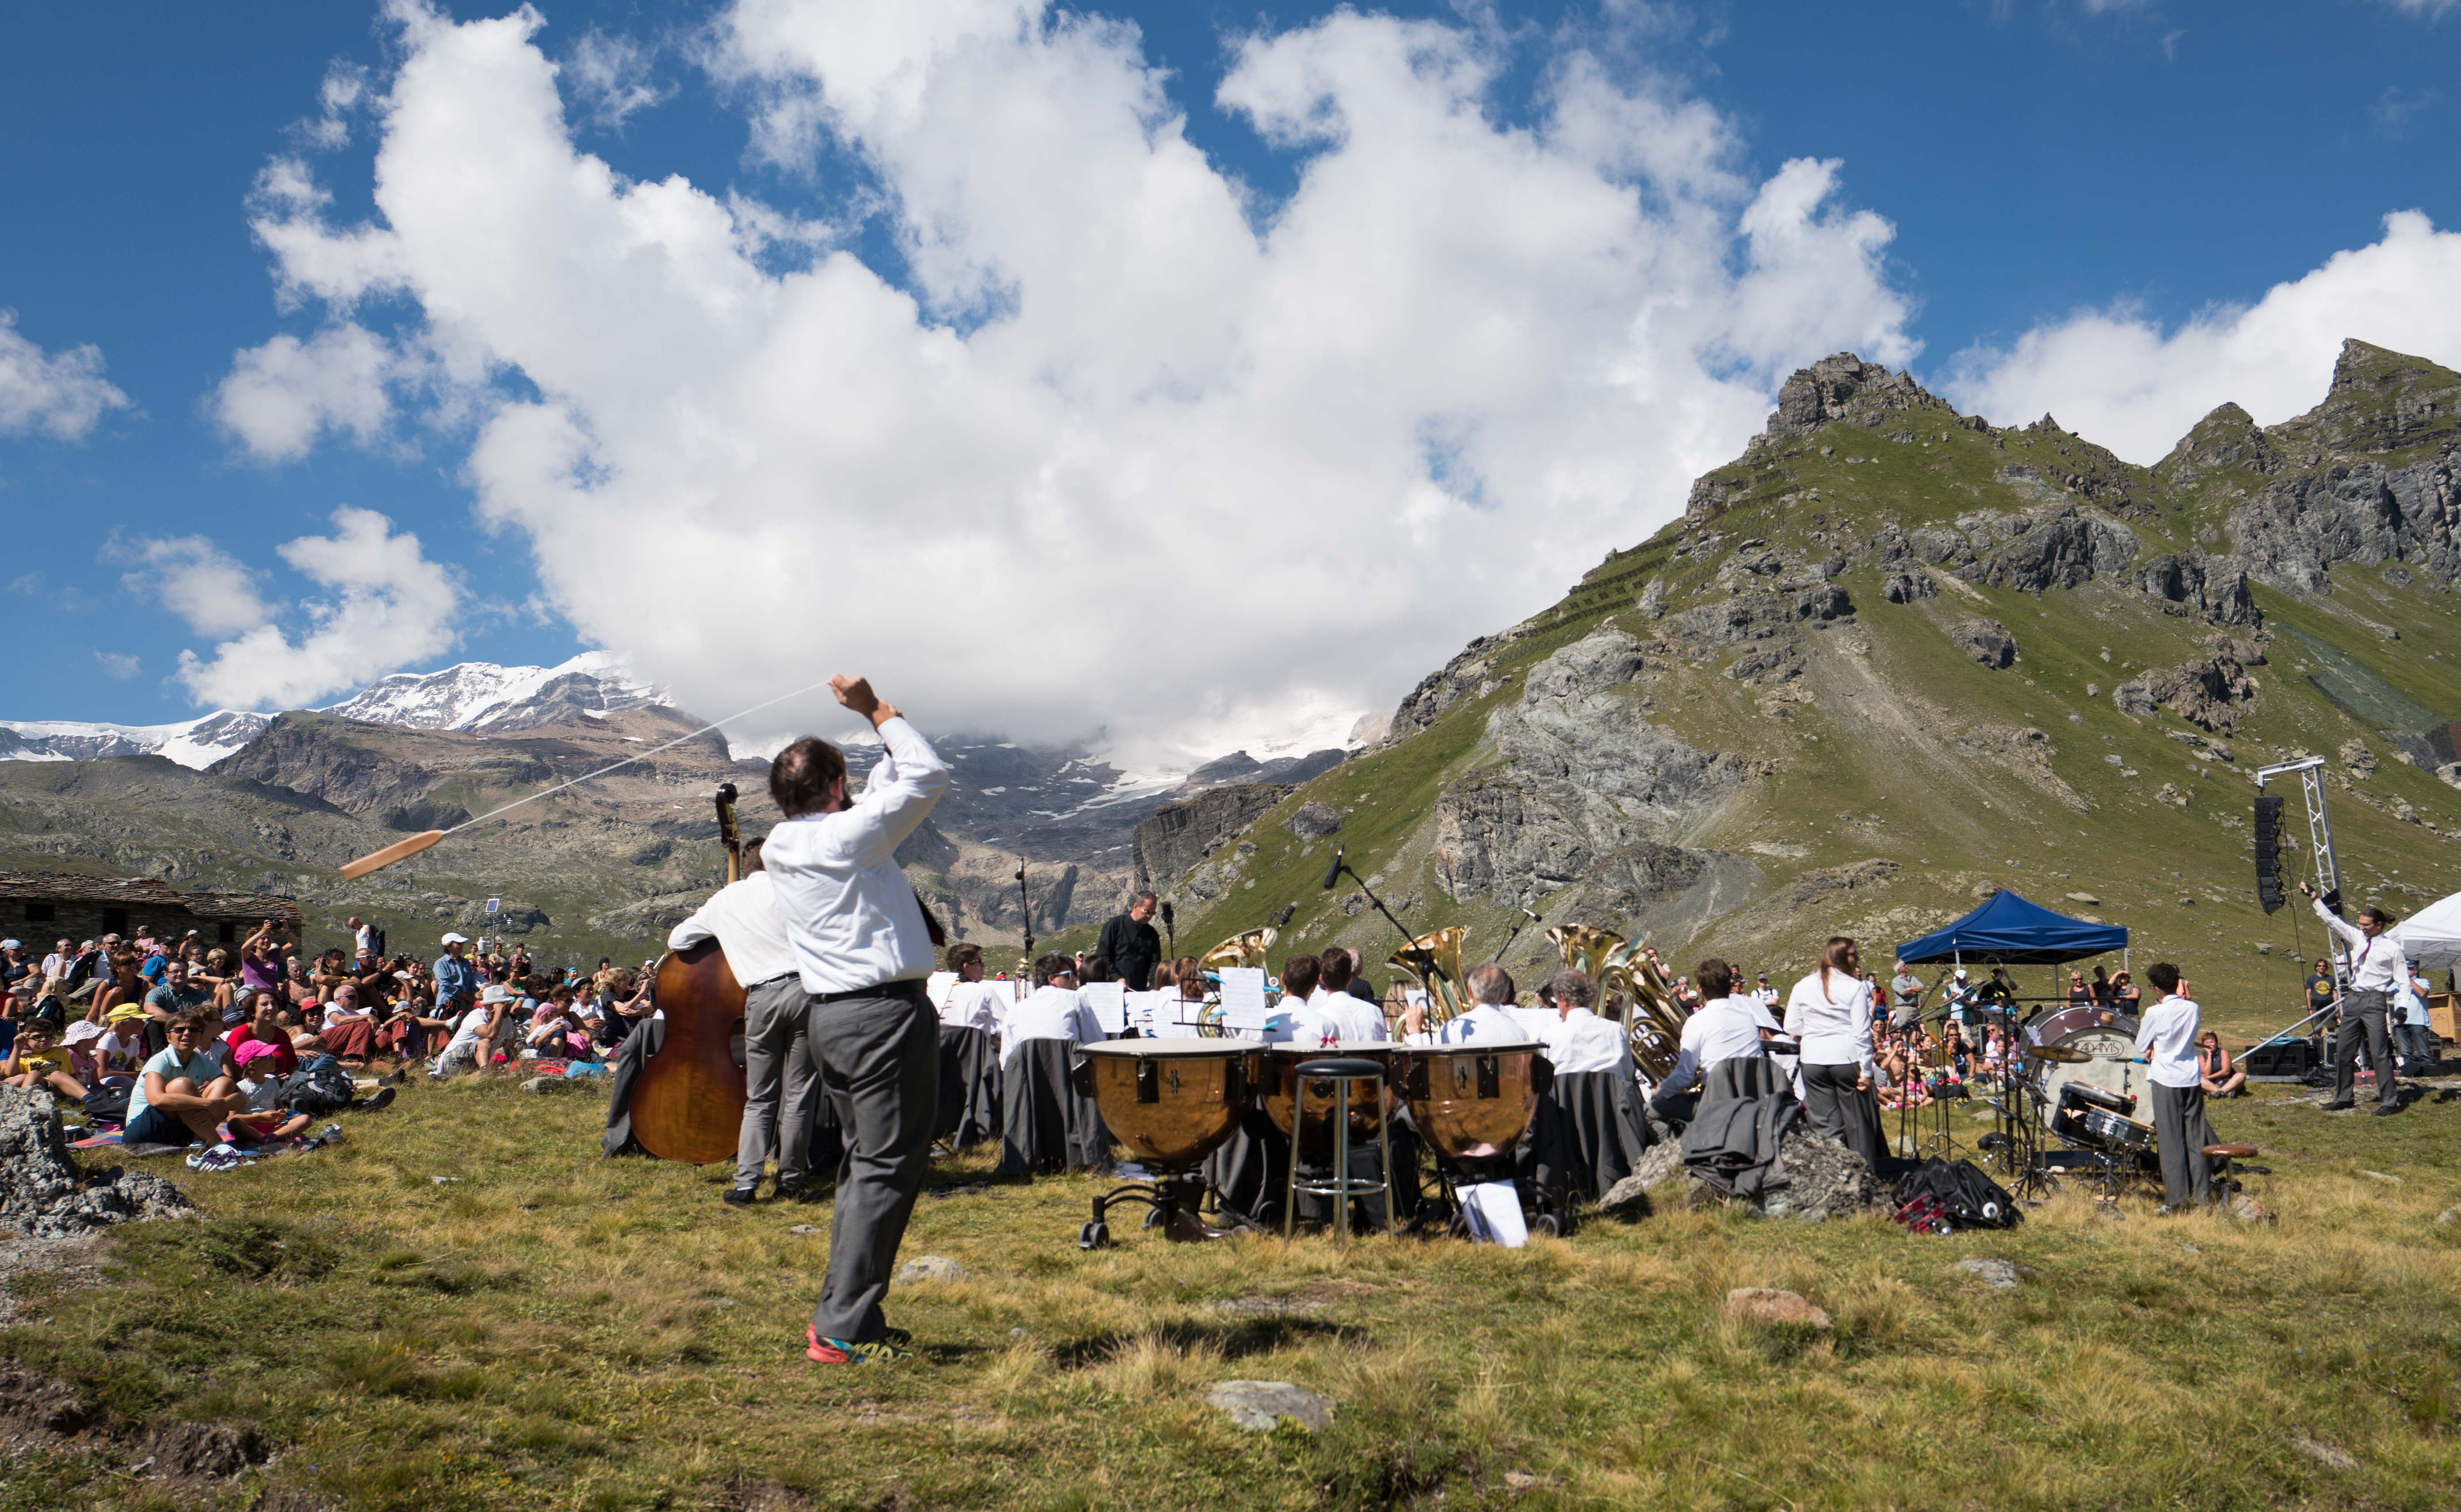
(184,1092)
(38,1059)
(122,1052)
(260,1076)
(2216,1071)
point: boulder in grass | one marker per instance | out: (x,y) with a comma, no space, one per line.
(42,1192)
(1260,1406)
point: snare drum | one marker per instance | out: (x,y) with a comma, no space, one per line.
(2120,1136)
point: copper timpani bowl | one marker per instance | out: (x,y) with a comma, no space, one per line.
(1471,1102)
(1368,1103)
(1172,1101)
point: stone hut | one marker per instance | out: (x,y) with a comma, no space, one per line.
(41,907)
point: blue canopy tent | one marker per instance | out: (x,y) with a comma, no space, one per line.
(2007,930)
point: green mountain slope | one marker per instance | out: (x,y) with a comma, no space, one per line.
(1893,658)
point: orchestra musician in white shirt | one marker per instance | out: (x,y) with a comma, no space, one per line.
(1730,1024)
(2165,1037)
(862,948)
(1580,1041)
(2379,967)
(781,1090)
(1830,1012)
(1051,1011)
(1484,1022)
(1331,1011)
(969,1001)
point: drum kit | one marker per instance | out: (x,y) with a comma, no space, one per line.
(2087,1089)
(1172,1102)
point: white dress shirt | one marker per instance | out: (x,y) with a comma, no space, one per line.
(850,914)
(974,1004)
(1834,1023)
(742,917)
(1583,1042)
(2379,965)
(1725,1028)
(1347,1017)
(2165,1037)
(1485,1024)
(1050,1012)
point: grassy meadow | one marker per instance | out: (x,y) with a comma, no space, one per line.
(543,1329)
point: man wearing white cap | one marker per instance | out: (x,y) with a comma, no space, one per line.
(455,979)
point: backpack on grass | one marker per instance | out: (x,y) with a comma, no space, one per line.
(1954,1196)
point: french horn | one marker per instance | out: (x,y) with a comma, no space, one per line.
(1435,960)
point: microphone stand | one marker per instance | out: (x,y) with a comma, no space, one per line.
(1025,901)
(1340,866)
(1526,917)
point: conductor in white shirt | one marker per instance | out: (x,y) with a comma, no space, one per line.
(1831,1012)
(2379,966)
(782,1091)
(2165,1037)
(863,951)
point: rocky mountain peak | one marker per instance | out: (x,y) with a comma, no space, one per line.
(1843,387)
(2382,402)
(2227,438)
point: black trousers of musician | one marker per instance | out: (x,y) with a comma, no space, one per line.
(878,1060)
(2181,1133)
(2364,1022)
(1833,1106)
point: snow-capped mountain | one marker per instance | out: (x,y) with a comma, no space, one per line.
(192,743)
(471,696)
(481,695)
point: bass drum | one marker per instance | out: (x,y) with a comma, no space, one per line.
(2053,1024)
(2111,1068)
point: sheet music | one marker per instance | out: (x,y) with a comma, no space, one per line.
(1109,1001)
(1148,1012)
(937,987)
(1243,999)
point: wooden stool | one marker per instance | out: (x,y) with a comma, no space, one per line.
(2221,1154)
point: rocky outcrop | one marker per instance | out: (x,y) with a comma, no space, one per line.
(1986,641)
(42,1193)
(2381,401)
(1178,837)
(1846,388)
(2228,437)
(1241,767)
(2212,693)
(2199,587)
(1439,691)
(1823,1179)
(1312,820)
(2060,547)
(1581,778)
(1757,616)
(2360,512)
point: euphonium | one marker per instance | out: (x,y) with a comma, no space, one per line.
(1652,1020)
(1435,960)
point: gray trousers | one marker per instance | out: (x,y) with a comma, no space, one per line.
(781,1094)
(2362,1021)
(1832,1107)
(878,1061)
(2181,1132)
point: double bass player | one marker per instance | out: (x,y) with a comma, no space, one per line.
(863,951)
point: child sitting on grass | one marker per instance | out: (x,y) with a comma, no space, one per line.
(260,1083)
(37,1059)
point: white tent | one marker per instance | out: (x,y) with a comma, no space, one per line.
(2433,935)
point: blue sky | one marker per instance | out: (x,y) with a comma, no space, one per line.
(2144,161)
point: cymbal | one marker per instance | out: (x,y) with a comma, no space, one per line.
(2057,1055)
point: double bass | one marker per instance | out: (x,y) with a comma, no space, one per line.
(688,1101)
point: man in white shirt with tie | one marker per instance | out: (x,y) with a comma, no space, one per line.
(2165,1037)
(2378,966)
(781,1091)
(864,950)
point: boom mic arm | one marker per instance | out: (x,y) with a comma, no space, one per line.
(1333,874)
(1526,917)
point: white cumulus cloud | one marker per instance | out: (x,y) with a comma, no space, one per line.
(1129,447)
(2118,378)
(280,396)
(59,395)
(208,588)
(386,606)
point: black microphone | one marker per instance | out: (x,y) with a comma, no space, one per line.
(1167,918)
(1333,872)
(1284,917)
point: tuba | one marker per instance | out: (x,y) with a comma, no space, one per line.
(1245,948)
(1652,1020)
(1585,949)
(1435,960)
